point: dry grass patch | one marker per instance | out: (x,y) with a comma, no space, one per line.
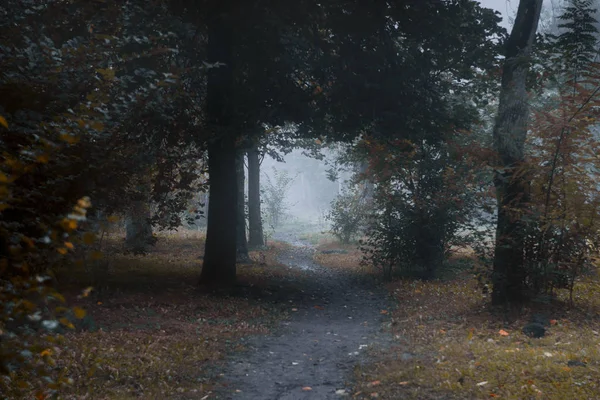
(149,331)
(342,257)
(451,346)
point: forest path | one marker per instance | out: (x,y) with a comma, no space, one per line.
(336,321)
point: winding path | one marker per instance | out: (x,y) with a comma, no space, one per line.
(311,356)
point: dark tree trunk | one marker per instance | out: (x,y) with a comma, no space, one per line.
(256,238)
(221,231)
(242,242)
(138,229)
(220,250)
(510,131)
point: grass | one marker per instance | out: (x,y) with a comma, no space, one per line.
(156,335)
(450,345)
(346,260)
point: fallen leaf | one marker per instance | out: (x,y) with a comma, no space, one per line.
(319,307)
(384,312)
(307,388)
(3,122)
(403,383)
(553,322)
(482,383)
(374,383)
(502,332)
(79,312)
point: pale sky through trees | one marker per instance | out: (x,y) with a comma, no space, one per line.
(508,8)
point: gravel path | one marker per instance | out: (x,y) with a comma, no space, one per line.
(335,321)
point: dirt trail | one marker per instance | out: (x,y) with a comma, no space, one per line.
(338,320)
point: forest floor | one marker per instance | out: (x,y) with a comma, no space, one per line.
(335,325)
(308,321)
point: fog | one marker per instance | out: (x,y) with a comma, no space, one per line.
(310,192)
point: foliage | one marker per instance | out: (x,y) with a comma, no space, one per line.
(562,166)
(274,192)
(425,194)
(32,243)
(347,215)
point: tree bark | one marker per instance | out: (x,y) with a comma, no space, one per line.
(256,237)
(219,266)
(138,229)
(510,131)
(242,242)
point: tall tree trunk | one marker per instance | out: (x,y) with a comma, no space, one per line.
(256,237)
(220,249)
(510,131)
(242,242)
(138,229)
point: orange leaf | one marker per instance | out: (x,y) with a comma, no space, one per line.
(62,250)
(307,388)
(69,245)
(553,322)
(46,352)
(383,311)
(502,332)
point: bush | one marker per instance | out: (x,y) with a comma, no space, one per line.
(347,216)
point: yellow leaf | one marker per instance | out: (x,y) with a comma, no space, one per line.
(69,224)
(79,312)
(67,323)
(69,245)
(62,250)
(86,292)
(59,297)
(3,122)
(47,352)
(470,335)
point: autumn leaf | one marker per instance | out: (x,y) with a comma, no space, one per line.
(470,334)
(306,388)
(69,245)
(62,250)
(3,122)
(502,332)
(383,312)
(47,352)
(66,323)
(79,312)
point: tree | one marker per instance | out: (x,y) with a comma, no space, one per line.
(219,265)
(242,241)
(256,237)
(511,181)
